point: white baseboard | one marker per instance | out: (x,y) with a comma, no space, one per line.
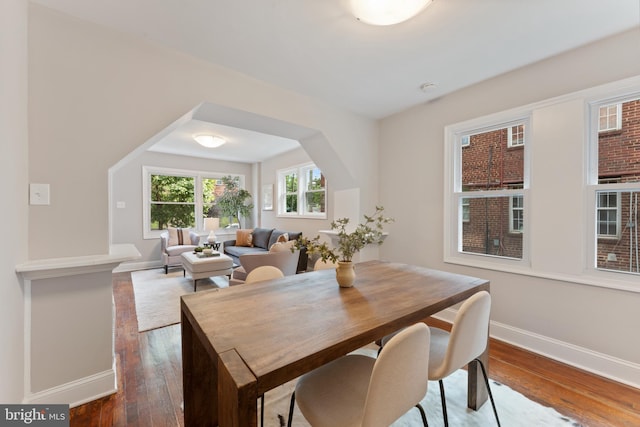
(77,392)
(133,266)
(607,366)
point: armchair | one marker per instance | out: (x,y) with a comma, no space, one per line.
(171,250)
(286,261)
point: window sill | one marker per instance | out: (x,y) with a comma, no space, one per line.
(597,278)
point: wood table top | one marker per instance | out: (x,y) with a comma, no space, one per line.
(285,327)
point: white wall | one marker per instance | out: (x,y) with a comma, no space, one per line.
(13,170)
(95,95)
(585,325)
(127,187)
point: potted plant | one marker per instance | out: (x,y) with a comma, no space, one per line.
(233,201)
(368,232)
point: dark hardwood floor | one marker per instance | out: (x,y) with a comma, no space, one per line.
(150,383)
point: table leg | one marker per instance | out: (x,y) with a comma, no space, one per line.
(476,390)
(237,391)
(199,380)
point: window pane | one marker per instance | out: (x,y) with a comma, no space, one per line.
(211,189)
(174,215)
(172,202)
(166,188)
(489,164)
(618,152)
(488,229)
(314,201)
(291,183)
(617,247)
(315,179)
(292,203)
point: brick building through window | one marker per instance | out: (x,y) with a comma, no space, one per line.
(618,163)
(493,160)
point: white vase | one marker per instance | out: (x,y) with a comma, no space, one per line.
(345,274)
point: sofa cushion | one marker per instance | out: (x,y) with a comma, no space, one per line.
(244,237)
(236,251)
(177,250)
(261,237)
(277,233)
(178,236)
(282,246)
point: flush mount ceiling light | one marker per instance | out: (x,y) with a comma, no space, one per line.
(387,12)
(209,141)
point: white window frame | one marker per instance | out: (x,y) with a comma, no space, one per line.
(593,186)
(512,210)
(608,208)
(617,113)
(517,142)
(301,172)
(454,195)
(465,209)
(147,171)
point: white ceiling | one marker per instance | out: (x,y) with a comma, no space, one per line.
(317,48)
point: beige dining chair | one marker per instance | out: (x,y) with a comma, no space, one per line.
(359,390)
(265,272)
(323,265)
(466,342)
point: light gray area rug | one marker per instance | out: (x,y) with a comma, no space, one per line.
(514,409)
(157,296)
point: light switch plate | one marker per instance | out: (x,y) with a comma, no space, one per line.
(39,194)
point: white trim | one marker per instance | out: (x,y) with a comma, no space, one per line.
(135,266)
(607,366)
(71,266)
(77,392)
(618,114)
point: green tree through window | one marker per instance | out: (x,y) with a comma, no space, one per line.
(172,201)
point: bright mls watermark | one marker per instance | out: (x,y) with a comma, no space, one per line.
(34,415)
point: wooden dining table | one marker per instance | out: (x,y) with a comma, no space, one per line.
(239,342)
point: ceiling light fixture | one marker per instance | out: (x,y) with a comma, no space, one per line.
(209,141)
(387,12)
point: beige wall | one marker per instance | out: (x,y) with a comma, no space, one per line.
(551,316)
(13,170)
(96,95)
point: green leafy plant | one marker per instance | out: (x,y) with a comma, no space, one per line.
(370,231)
(233,201)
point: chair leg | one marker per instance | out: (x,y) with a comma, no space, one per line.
(423,415)
(166,269)
(444,404)
(291,406)
(486,382)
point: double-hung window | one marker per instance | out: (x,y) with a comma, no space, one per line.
(302,192)
(179,198)
(487,199)
(614,184)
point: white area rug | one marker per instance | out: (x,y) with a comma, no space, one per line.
(514,409)
(157,296)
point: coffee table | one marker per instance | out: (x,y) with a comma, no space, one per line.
(200,267)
